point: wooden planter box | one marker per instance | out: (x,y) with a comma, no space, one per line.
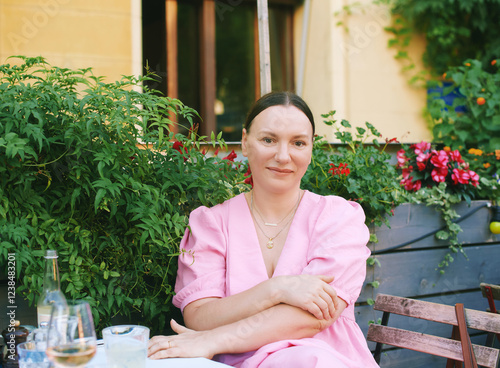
(411,271)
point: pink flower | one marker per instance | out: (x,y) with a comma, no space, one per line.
(460,176)
(474,178)
(421,147)
(423,157)
(439,174)
(439,159)
(456,156)
(401,158)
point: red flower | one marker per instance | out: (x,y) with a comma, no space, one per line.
(248,180)
(440,159)
(443,166)
(342,169)
(460,176)
(421,166)
(439,174)
(179,147)
(410,185)
(407,172)
(232,155)
(456,156)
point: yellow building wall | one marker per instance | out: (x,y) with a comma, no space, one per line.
(355,73)
(73,34)
(352,72)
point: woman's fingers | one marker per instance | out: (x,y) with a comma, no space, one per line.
(159,347)
(178,328)
(309,292)
(326,278)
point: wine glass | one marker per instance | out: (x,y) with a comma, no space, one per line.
(71,340)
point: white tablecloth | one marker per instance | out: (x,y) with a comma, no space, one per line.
(99,361)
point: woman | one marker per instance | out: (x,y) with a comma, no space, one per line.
(276,271)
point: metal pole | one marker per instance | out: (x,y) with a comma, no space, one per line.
(264,48)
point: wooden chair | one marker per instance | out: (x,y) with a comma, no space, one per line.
(491,293)
(430,344)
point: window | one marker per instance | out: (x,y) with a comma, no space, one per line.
(205,53)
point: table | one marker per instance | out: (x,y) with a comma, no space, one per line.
(99,361)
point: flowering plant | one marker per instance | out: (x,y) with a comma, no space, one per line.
(440,178)
(358,169)
(422,165)
(487,165)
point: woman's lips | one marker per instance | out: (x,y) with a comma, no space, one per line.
(280,171)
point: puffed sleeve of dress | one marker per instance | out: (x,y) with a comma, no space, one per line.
(338,245)
(202,268)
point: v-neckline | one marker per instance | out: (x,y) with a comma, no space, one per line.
(255,241)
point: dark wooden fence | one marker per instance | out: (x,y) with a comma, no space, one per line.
(408,267)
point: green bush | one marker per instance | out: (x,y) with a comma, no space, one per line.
(479,94)
(93,170)
(454,30)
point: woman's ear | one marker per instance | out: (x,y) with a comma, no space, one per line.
(244,136)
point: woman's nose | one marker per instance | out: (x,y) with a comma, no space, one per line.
(282,153)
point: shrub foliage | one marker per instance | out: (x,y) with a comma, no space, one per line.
(93,170)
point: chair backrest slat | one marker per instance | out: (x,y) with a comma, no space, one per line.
(495,290)
(435,312)
(440,346)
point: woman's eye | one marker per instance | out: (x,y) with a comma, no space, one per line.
(267,140)
(300,143)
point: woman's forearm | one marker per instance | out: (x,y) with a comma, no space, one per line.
(307,292)
(210,313)
(274,324)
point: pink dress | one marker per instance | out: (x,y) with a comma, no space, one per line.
(327,237)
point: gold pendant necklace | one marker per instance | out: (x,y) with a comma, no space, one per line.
(270,242)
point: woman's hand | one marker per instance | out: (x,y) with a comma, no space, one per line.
(187,344)
(309,292)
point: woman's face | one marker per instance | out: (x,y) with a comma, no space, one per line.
(278,146)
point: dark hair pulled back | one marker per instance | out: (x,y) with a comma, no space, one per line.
(278,99)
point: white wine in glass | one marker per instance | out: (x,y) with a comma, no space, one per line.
(71,340)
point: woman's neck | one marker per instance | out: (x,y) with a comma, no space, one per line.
(274,206)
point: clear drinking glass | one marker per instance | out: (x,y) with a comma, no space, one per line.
(71,340)
(126,346)
(32,355)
